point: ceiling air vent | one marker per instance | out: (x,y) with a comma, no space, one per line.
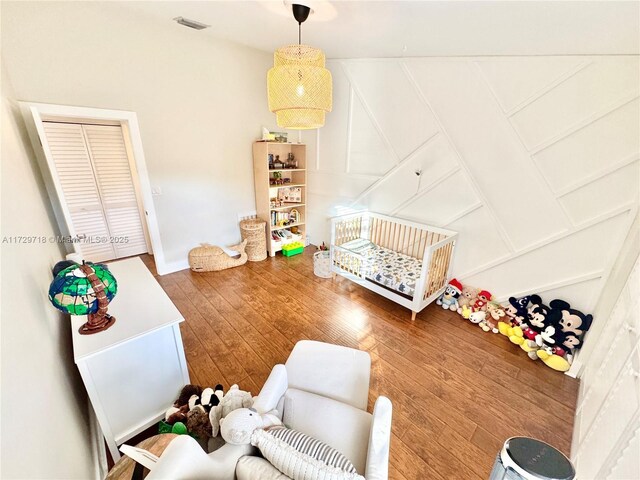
(191,23)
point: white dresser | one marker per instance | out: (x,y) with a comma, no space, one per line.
(134,370)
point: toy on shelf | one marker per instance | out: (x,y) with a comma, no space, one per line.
(449,299)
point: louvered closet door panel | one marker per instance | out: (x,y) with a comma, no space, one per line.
(113,172)
(75,174)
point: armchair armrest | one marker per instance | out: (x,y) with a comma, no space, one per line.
(273,390)
(377,467)
(184,459)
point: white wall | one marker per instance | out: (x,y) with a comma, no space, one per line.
(200,102)
(606,439)
(44,427)
(534,160)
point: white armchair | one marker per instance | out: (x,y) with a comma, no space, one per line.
(322,390)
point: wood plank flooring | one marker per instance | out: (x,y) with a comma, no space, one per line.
(457,392)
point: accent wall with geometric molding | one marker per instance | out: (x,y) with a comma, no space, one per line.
(533,160)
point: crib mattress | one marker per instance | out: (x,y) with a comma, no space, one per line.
(392,270)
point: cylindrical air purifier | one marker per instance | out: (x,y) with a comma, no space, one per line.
(523,458)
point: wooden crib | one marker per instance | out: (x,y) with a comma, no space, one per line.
(406,262)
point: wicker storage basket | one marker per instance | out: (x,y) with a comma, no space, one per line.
(209,258)
(253,231)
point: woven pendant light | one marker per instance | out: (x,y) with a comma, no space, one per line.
(299,86)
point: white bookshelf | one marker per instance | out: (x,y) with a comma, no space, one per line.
(265,190)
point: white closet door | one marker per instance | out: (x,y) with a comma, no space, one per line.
(75,174)
(113,172)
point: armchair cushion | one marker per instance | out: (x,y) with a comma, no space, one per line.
(337,424)
(257,468)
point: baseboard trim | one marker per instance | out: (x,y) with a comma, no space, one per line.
(172,267)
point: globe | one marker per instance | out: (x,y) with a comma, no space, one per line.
(85,289)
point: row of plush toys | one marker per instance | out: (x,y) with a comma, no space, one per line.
(549,332)
(198,411)
(205,413)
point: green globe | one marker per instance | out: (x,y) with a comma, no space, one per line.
(71,291)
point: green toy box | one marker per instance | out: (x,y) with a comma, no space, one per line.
(293,248)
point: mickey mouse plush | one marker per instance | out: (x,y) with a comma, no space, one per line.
(536,321)
(516,312)
(557,350)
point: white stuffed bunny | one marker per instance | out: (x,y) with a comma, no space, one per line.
(237,427)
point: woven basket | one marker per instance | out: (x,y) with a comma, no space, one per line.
(253,232)
(209,258)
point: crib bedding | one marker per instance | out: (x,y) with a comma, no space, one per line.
(392,270)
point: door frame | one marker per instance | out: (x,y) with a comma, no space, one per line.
(36,113)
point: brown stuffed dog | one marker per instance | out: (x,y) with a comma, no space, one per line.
(178,412)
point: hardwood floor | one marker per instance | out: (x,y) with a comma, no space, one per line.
(457,392)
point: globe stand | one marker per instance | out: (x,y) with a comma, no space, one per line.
(96,324)
(100,320)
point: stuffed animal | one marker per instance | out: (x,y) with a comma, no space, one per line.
(495,313)
(186,393)
(467,299)
(537,320)
(449,299)
(178,412)
(190,412)
(198,423)
(558,345)
(478,317)
(571,320)
(481,302)
(237,427)
(465,311)
(516,314)
(199,407)
(208,399)
(233,400)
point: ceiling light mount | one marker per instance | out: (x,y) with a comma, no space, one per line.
(300,12)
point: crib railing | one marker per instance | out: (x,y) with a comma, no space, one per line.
(439,265)
(346,229)
(433,245)
(402,237)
